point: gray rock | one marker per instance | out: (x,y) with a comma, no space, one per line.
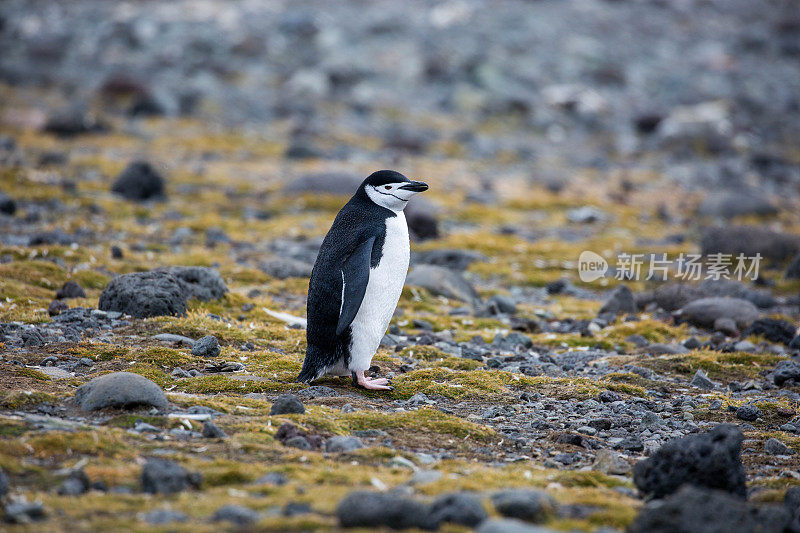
(705,311)
(658,348)
(199,283)
(745,346)
(786,370)
(70,289)
(4,483)
(343,444)
(163,516)
(235,514)
(772,329)
(525,504)
(7,204)
(144,294)
(502,304)
(120,389)
(749,240)
(621,301)
(272,478)
(317,391)
(700,510)
(775,447)
(212,431)
(139,182)
(207,346)
(460,508)
(422,220)
(610,462)
(24,512)
(441,281)
(730,204)
(76,484)
(286,267)
(299,442)
(511,526)
(727,326)
(701,380)
(160,476)
(376,509)
(423,477)
(708,460)
(748,413)
(174,339)
(287,404)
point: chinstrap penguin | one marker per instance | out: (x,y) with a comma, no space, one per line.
(357,280)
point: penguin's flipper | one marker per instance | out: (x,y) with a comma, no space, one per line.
(355,276)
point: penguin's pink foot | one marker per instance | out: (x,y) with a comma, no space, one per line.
(372,384)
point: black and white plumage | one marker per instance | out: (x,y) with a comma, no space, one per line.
(357,279)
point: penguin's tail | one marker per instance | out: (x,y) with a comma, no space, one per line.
(311,366)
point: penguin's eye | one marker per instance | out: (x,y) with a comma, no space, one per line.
(387,187)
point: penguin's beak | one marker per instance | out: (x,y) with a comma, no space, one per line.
(415,186)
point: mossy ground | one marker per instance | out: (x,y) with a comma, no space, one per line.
(227,173)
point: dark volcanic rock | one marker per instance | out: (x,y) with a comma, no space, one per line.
(705,311)
(376,509)
(525,504)
(749,240)
(748,413)
(7,204)
(287,404)
(785,371)
(200,283)
(621,301)
(457,508)
(772,329)
(70,289)
(207,346)
(160,476)
(119,389)
(139,182)
(145,294)
(709,460)
(695,510)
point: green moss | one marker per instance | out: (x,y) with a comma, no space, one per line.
(18,399)
(30,373)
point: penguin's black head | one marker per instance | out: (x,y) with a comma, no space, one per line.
(391,189)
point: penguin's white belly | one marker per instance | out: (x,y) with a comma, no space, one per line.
(383,292)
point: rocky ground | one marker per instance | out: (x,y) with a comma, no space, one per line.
(167,172)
